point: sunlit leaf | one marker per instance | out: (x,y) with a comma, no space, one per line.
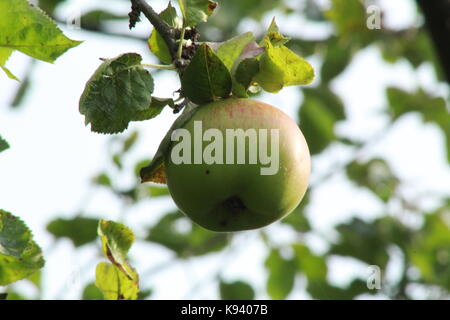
(230,50)
(34,34)
(116,241)
(280,67)
(20,256)
(114,284)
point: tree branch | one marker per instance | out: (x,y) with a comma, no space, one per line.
(437,20)
(166,31)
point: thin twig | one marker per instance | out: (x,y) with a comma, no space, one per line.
(180,45)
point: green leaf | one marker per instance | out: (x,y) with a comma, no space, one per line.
(348,16)
(155,171)
(156,43)
(376,175)
(280,67)
(144,294)
(13,295)
(429,252)
(206,78)
(236,290)
(155,191)
(50,5)
(281,273)
(322,290)
(79,230)
(9,73)
(274,36)
(244,75)
(314,267)
(116,241)
(114,284)
(157,105)
(93,20)
(193,241)
(229,51)
(103,180)
(369,241)
(196,11)
(432,109)
(130,141)
(92,292)
(336,59)
(319,112)
(116,94)
(297,218)
(20,256)
(3,144)
(34,34)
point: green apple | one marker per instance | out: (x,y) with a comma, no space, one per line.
(213,177)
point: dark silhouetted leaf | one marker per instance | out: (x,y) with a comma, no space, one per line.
(79,230)
(376,175)
(193,241)
(206,78)
(237,290)
(319,112)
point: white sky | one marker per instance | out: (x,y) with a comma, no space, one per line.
(53,155)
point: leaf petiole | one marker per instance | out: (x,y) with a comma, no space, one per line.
(160,66)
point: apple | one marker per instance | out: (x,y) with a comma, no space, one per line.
(223,189)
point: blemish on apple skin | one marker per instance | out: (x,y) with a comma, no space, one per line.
(207,172)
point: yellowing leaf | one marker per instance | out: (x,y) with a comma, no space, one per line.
(279,67)
(114,284)
(116,241)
